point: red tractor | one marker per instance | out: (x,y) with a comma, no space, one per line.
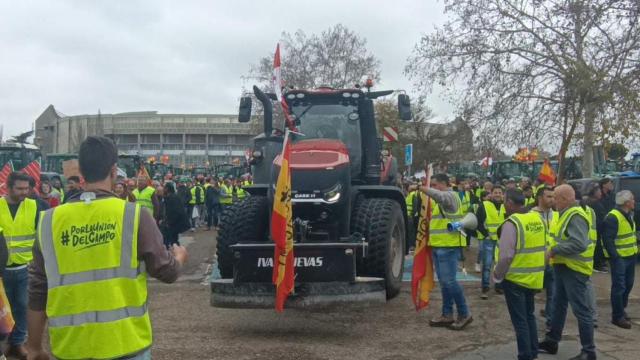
(349,228)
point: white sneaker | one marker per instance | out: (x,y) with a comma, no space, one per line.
(2,357)
(477,268)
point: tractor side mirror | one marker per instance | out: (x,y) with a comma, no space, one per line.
(404,107)
(244,113)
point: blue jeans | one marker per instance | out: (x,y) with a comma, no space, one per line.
(622,277)
(488,249)
(572,287)
(446,263)
(521,307)
(549,285)
(15,285)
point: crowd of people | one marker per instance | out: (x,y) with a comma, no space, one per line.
(533,237)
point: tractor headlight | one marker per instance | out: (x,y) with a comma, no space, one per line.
(333,195)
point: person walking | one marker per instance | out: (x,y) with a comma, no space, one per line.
(447,250)
(212,200)
(594,201)
(91,293)
(197,202)
(571,255)
(19,217)
(174,219)
(490,215)
(545,202)
(620,244)
(520,269)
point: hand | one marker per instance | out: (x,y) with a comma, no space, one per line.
(548,255)
(180,253)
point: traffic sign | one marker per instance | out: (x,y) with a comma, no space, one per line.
(390,133)
(408,154)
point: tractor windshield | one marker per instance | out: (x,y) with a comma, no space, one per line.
(331,121)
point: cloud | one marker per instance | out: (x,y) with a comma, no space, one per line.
(180,57)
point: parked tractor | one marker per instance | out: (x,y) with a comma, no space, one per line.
(350,229)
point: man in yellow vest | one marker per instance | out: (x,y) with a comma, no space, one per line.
(146,196)
(545,203)
(18,219)
(197,202)
(520,269)
(226,194)
(447,247)
(88,279)
(620,245)
(571,255)
(490,215)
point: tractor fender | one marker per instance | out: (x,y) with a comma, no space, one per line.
(383,191)
(257,189)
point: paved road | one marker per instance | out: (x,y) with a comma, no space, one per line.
(186,327)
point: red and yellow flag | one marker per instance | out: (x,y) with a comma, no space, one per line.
(282,230)
(422,273)
(547,174)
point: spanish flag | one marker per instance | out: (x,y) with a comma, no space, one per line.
(422,274)
(547,175)
(282,230)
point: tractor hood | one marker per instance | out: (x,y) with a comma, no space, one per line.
(317,154)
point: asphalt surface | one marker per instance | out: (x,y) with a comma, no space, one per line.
(187,327)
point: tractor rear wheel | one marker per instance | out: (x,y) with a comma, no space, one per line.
(381,222)
(243,222)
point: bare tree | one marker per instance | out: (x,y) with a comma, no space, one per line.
(337,57)
(435,142)
(537,71)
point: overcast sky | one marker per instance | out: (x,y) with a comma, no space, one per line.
(175,56)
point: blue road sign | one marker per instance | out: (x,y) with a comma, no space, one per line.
(408,154)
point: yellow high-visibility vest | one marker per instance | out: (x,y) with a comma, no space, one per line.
(494,218)
(19,232)
(527,267)
(409,201)
(144,197)
(583,262)
(195,199)
(97,287)
(226,195)
(439,235)
(626,241)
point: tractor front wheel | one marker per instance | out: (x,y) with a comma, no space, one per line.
(382,223)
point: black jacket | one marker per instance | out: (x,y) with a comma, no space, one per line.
(174,215)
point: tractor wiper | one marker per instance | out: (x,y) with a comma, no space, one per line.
(298,117)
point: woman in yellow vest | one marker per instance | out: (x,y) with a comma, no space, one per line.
(520,269)
(621,248)
(89,273)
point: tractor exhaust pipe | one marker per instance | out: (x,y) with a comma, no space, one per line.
(268,110)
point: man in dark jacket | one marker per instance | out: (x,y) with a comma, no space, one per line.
(212,201)
(174,218)
(594,200)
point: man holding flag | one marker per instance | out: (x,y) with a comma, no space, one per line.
(447,247)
